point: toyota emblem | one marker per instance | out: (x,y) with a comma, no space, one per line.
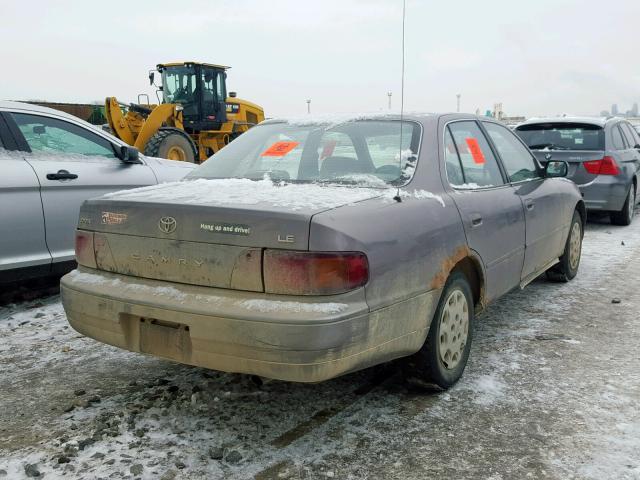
(167,224)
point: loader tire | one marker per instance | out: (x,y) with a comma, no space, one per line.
(173,144)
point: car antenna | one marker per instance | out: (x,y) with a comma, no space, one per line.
(398,198)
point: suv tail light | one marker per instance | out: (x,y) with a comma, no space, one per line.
(313,273)
(605,166)
(84,249)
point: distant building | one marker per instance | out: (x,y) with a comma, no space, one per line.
(604,113)
(614,109)
(634,110)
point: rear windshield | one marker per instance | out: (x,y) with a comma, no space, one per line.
(562,136)
(368,152)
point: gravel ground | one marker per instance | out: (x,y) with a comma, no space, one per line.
(552,390)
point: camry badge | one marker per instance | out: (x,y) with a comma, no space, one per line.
(167,224)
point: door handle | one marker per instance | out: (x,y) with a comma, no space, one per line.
(529,204)
(476,220)
(61,175)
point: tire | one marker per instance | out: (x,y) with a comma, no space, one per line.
(173,144)
(625,216)
(569,263)
(431,365)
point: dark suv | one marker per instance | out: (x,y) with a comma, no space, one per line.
(603,156)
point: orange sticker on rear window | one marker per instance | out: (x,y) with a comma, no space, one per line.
(476,151)
(279,149)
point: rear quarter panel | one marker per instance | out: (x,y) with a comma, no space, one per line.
(410,244)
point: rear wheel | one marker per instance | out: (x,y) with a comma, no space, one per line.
(567,267)
(173,144)
(443,357)
(625,216)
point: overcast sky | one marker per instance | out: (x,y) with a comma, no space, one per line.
(540,57)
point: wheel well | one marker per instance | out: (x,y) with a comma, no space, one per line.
(582,210)
(472,270)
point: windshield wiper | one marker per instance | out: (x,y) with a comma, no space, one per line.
(540,146)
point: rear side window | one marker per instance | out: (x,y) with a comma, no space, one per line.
(616,139)
(384,150)
(477,166)
(516,159)
(562,136)
(50,135)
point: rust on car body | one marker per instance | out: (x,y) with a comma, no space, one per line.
(463,259)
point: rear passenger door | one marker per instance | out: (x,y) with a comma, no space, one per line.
(22,241)
(631,154)
(546,209)
(73,164)
(490,209)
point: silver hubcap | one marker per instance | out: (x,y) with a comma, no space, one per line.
(454,329)
(575,245)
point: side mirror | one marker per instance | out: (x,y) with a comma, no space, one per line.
(556,168)
(151,77)
(128,154)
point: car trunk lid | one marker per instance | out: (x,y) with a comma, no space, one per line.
(208,240)
(575,159)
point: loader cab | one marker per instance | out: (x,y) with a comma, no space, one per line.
(200,89)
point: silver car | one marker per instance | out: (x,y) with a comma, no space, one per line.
(603,156)
(305,250)
(51,162)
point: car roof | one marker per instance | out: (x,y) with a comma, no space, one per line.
(350,117)
(30,107)
(599,121)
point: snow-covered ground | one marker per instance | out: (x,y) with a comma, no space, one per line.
(552,390)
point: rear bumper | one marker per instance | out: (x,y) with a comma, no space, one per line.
(269,335)
(605,193)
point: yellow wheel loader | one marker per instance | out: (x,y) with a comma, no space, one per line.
(194,117)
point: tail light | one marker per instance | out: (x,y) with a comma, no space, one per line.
(313,273)
(84,249)
(605,166)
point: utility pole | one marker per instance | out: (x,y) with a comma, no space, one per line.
(309,105)
(389,95)
(458,99)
